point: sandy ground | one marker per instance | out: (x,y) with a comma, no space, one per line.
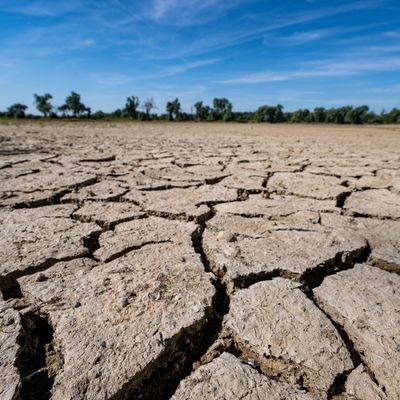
(199,261)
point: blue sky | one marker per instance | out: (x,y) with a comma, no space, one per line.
(300,53)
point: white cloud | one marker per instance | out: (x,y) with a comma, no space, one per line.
(41,8)
(162,7)
(248,28)
(184,67)
(392,34)
(318,69)
(110,79)
(189,12)
(117,79)
(386,90)
(301,37)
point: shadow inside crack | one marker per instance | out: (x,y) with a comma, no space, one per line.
(37,361)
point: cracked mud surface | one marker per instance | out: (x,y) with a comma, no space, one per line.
(199,261)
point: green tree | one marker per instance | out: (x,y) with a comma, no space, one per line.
(99,115)
(262,114)
(43,104)
(173,109)
(334,116)
(271,114)
(117,113)
(228,116)
(202,112)
(220,107)
(170,110)
(358,115)
(149,105)
(392,117)
(131,107)
(73,103)
(17,110)
(319,114)
(301,116)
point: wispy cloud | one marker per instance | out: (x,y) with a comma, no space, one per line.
(178,69)
(252,28)
(385,90)
(302,37)
(319,69)
(184,67)
(110,79)
(189,12)
(41,8)
(392,34)
(359,60)
(118,79)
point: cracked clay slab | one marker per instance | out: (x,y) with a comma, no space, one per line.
(103,190)
(134,234)
(275,206)
(237,257)
(383,237)
(10,328)
(290,338)
(366,301)
(379,203)
(117,323)
(360,386)
(304,184)
(108,213)
(189,202)
(41,187)
(30,240)
(226,378)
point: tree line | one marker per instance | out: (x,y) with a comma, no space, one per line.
(221,110)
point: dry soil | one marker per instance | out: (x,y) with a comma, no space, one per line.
(199,261)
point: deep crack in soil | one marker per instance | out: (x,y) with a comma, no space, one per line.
(37,361)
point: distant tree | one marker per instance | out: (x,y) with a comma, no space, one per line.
(198,107)
(202,112)
(262,114)
(338,115)
(319,114)
(173,109)
(373,118)
(228,116)
(170,110)
(358,115)
(117,113)
(149,105)
(332,116)
(99,115)
(183,116)
(271,114)
(131,107)
(220,107)
(73,103)
(63,110)
(17,110)
(392,117)
(244,116)
(301,116)
(43,104)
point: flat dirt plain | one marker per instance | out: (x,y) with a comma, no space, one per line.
(199,261)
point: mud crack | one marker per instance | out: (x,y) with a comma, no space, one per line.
(38,361)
